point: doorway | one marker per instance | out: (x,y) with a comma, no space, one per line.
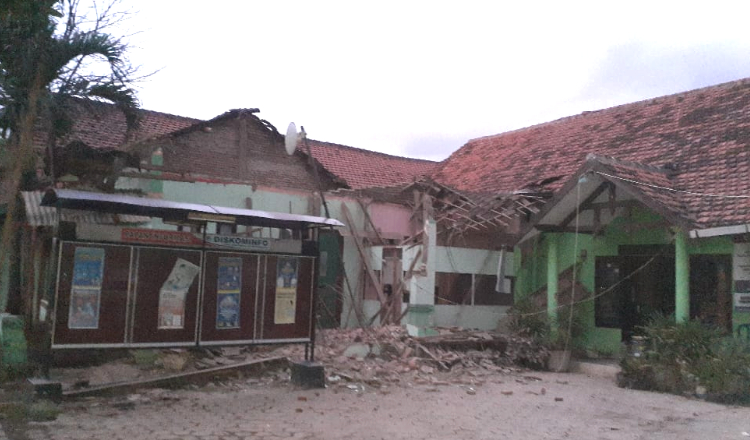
(710,290)
(634,286)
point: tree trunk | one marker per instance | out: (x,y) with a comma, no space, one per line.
(23,156)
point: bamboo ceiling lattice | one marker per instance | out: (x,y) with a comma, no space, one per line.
(458,211)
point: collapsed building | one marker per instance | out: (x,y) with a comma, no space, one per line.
(624,212)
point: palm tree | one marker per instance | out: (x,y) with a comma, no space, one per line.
(45,59)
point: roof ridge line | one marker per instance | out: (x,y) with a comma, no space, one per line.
(633,104)
(611,160)
(373,152)
(140,109)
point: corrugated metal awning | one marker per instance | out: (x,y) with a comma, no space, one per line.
(38,215)
(178,211)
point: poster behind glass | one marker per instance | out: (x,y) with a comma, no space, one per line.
(86,289)
(286,290)
(229,286)
(173,293)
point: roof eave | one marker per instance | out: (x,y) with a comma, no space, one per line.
(593,166)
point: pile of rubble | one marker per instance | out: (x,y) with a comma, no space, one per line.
(375,357)
(388,355)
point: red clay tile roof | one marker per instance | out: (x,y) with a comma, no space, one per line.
(102,126)
(368,169)
(703,134)
(651,186)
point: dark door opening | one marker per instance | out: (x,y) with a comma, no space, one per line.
(330,280)
(710,290)
(632,288)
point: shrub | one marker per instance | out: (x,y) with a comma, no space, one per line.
(42,411)
(690,358)
(528,320)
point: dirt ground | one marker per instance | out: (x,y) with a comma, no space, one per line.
(380,385)
(522,405)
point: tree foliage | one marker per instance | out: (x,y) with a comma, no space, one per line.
(50,52)
(69,54)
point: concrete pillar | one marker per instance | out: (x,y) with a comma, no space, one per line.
(352,300)
(552,272)
(155,186)
(682,278)
(422,287)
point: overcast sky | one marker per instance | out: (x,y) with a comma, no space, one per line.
(420,79)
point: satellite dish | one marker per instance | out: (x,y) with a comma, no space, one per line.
(291,139)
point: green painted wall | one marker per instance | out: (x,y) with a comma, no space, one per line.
(531,266)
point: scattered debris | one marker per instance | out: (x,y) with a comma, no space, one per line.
(358,359)
(383,356)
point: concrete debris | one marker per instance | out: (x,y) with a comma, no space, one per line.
(358,351)
(358,359)
(385,356)
(174,362)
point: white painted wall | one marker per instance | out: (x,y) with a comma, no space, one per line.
(461,260)
(469,317)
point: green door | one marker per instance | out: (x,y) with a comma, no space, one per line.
(329,270)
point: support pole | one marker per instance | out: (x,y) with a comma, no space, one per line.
(552,269)
(682,278)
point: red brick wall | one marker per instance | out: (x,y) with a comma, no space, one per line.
(243,150)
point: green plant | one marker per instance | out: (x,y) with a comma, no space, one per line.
(725,373)
(561,333)
(527,319)
(145,358)
(690,358)
(685,342)
(42,411)
(530,321)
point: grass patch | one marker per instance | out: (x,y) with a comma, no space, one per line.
(145,358)
(38,411)
(42,411)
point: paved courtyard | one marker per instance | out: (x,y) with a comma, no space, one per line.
(523,405)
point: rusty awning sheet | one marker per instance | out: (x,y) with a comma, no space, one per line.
(38,215)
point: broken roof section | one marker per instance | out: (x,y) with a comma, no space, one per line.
(702,136)
(460,211)
(102,126)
